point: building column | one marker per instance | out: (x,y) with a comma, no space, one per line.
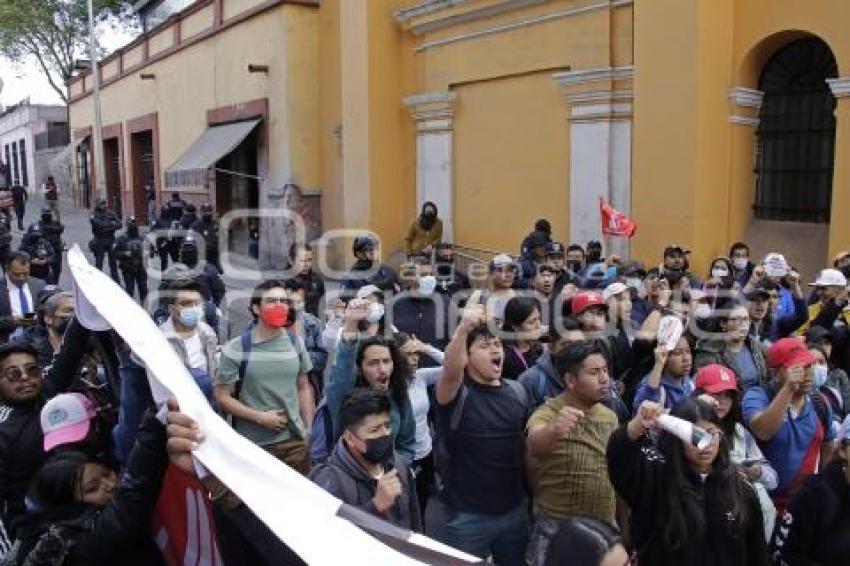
(433,114)
(744,106)
(839,225)
(600,102)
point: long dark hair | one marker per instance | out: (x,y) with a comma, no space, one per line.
(427,222)
(57,482)
(400,376)
(682,512)
(582,540)
(517,311)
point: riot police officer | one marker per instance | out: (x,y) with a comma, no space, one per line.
(207,229)
(368,270)
(52,229)
(40,251)
(104,224)
(129,249)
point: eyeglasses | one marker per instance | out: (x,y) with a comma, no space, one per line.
(16,375)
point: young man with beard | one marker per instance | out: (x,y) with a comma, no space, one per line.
(363,470)
(480,444)
(450,279)
(301,264)
(567,439)
(274,405)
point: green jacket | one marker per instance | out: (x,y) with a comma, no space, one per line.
(716,352)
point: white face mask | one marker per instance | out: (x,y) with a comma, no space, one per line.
(376,313)
(821,373)
(427,285)
(702,311)
(740,263)
(719,272)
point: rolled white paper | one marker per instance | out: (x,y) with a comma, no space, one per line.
(688,432)
(670,329)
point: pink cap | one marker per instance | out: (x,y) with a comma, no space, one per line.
(66,419)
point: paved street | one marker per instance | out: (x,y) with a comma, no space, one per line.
(78,231)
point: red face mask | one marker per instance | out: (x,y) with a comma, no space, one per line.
(275,316)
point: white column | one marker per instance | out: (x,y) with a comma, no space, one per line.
(600,149)
(433,114)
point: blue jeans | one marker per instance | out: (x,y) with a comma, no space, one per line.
(504,536)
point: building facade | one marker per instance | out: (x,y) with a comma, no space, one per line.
(31,136)
(707,121)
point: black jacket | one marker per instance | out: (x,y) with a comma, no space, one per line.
(383,277)
(208,232)
(314,291)
(129,252)
(119,533)
(53,232)
(816,526)
(104,224)
(636,470)
(344,478)
(38,247)
(423,317)
(21,440)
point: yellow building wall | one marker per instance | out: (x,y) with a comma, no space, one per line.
(186,86)
(512,147)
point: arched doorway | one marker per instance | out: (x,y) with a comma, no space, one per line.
(796,134)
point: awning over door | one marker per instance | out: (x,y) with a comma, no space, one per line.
(216,142)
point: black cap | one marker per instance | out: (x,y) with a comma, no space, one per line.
(445,246)
(17,347)
(363,244)
(555,248)
(633,268)
(677,249)
(536,239)
(100,202)
(46,210)
(594,244)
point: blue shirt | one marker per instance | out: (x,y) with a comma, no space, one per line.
(786,450)
(749,374)
(673,391)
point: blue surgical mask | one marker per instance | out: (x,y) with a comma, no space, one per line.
(190,316)
(427,284)
(376,313)
(821,373)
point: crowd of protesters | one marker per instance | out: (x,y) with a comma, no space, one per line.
(524,410)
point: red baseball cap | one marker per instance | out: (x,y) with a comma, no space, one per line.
(715,378)
(586,299)
(789,352)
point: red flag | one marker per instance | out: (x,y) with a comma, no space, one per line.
(614,222)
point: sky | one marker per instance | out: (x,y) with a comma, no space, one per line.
(22,80)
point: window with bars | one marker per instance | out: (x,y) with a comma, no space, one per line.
(22,151)
(15,169)
(796,134)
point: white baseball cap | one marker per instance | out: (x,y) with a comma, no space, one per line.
(775,265)
(830,278)
(66,419)
(367,291)
(613,290)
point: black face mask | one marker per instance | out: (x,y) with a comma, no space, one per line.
(46,217)
(845,270)
(207,217)
(379,450)
(63,323)
(594,256)
(574,266)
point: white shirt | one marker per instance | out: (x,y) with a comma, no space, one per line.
(195,356)
(15,298)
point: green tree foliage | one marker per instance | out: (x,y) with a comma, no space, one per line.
(53,33)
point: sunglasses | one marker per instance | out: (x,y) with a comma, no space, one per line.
(16,375)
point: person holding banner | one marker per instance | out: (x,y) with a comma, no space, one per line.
(689,505)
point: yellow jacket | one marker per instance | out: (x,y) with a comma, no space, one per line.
(418,239)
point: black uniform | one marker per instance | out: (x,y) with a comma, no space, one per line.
(129,250)
(52,230)
(173,209)
(5,243)
(207,229)
(41,253)
(104,224)
(20,197)
(160,228)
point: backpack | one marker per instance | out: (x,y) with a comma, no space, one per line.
(442,450)
(322,434)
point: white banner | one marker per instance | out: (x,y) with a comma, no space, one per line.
(300,513)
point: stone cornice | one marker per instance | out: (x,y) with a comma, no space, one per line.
(840,87)
(744,121)
(428,13)
(432,111)
(746,97)
(586,76)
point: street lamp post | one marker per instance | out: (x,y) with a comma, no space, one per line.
(97,141)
